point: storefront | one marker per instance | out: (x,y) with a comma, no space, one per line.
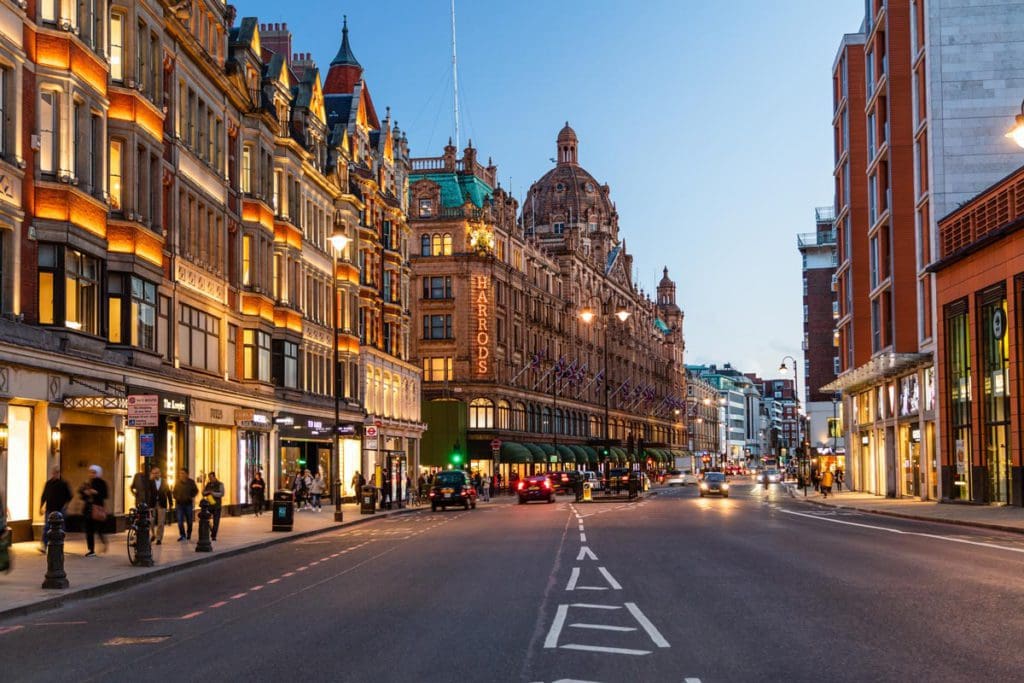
(254,427)
(167,440)
(304,442)
(214,452)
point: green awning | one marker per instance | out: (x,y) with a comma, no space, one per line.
(566,454)
(662,455)
(548,449)
(512,452)
(536,452)
(653,454)
(581,455)
(618,454)
(592,455)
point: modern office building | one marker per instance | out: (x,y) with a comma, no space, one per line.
(938,83)
(821,339)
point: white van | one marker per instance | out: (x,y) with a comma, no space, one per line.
(595,481)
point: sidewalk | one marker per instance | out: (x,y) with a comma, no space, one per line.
(21,591)
(999,518)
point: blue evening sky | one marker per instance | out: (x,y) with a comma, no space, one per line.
(711,121)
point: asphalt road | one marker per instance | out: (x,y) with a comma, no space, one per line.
(673,588)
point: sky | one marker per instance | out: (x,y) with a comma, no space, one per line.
(711,122)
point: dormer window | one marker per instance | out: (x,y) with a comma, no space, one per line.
(426,208)
(559,228)
(589,187)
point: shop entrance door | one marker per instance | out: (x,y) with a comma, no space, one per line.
(915,469)
(998,465)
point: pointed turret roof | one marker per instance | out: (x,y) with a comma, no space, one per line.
(345,57)
(345,69)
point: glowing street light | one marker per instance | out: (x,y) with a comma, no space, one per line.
(1017,132)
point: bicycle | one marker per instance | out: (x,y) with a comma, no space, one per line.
(414,499)
(133,537)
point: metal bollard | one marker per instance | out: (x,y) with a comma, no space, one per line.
(204,545)
(55,575)
(143,548)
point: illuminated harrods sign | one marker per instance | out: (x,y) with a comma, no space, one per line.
(481,292)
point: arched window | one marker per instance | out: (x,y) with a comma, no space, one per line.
(435,245)
(559,422)
(531,419)
(447,244)
(545,421)
(481,413)
(504,415)
(425,245)
(519,418)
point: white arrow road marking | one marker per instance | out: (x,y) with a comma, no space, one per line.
(906,533)
(604,627)
(586,552)
(611,580)
(655,635)
(609,650)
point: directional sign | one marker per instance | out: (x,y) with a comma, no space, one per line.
(147,445)
(143,410)
(370,432)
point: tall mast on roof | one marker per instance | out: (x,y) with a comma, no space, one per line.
(455,79)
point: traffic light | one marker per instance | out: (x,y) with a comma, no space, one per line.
(456,456)
(605,452)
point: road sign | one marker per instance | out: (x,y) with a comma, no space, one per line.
(147,445)
(143,410)
(370,444)
(495,451)
(370,432)
(495,443)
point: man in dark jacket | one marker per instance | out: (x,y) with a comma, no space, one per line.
(55,498)
(159,502)
(185,492)
(140,488)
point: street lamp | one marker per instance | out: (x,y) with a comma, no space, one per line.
(799,433)
(339,240)
(588,314)
(1017,132)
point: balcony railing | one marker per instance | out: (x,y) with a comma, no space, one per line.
(820,238)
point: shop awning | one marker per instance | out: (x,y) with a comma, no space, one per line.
(618,454)
(513,452)
(592,455)
(656,454)
(536,452)
(582,458)
(566,454)
(549,449)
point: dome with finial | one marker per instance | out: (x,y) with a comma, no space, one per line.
(666,281)
(569,195)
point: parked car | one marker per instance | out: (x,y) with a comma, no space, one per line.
(452,487)
(537,487)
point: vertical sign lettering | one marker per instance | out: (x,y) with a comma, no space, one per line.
(481,292)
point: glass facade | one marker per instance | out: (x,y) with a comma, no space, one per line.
(958,372)
(994,354)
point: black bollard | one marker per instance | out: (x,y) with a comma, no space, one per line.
(55,576)
(143,548)
(339,516)
(204,545)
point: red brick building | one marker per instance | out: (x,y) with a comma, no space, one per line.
(980,296)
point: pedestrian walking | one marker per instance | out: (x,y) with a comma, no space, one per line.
(213,493)
(159,503)
(478,483)
(496,479)
(56,496)
(486,486)
(408,489)
(316,490)
(300,489)
(826,483)
(94,493)
(258,490)
(140,487)
(815,480)
(185,492)
(840,478)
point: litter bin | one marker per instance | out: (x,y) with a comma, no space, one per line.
(367,500)
(283,510)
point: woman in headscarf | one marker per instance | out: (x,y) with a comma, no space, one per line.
(94,493)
